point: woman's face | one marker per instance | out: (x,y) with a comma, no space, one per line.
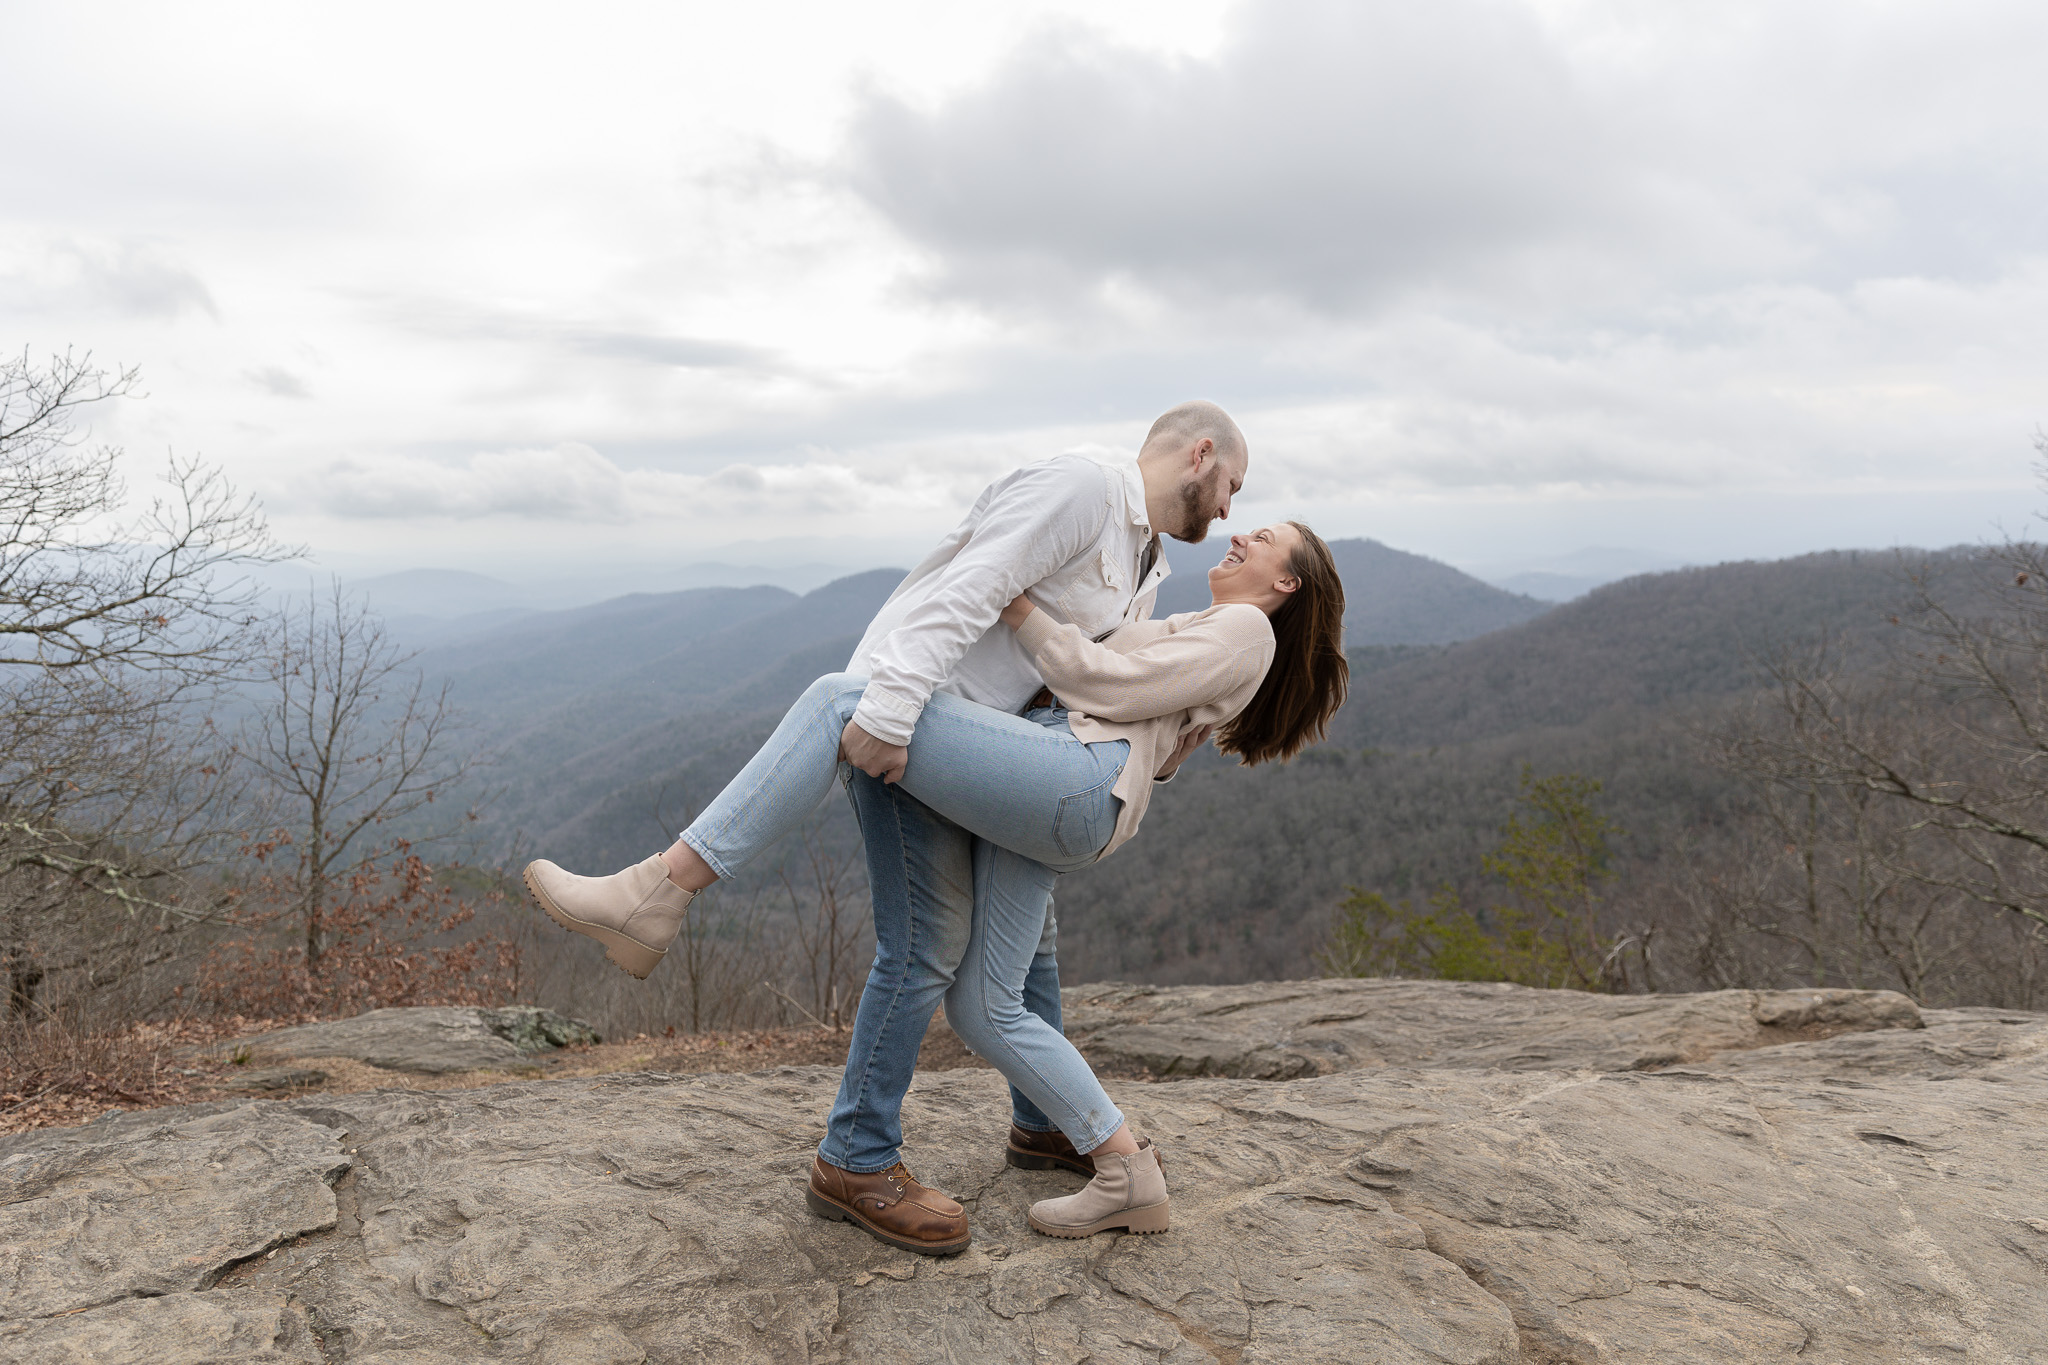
(1257,567)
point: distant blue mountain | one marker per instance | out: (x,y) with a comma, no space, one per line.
(1391,597)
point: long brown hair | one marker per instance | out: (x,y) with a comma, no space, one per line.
(1309,677)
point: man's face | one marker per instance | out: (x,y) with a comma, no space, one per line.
(1205,496)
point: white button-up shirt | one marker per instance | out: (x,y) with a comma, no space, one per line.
(1070,532)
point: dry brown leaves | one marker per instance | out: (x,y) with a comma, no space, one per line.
(56,1074)
(51,1078)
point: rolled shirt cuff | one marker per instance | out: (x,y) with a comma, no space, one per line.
(888,718)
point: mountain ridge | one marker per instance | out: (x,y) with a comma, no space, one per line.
(1390,596)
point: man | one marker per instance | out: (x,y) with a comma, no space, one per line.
(1081,539)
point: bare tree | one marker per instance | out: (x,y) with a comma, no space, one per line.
(1905,796)
(1955,734)
(82,588)
(832,918)
(1835,881)
(352,745)
(116,631)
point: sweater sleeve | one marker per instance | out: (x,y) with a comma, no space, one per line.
(1037,520)
(1177,671)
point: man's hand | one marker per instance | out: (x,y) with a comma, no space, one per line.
(871,755)
(1014,614)
(1188,743)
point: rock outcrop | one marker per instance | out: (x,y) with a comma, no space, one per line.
(1279,1030)
(433,1040)
(1874,1196)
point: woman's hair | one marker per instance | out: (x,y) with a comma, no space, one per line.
(1309,677)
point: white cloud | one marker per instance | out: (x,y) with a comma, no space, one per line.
(572,484)
(808,270)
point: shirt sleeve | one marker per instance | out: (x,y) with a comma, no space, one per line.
(1038,519)
(1177,671)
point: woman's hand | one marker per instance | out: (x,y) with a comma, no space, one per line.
(1014,614)
(1189,742)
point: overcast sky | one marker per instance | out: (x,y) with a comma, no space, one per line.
(542,290)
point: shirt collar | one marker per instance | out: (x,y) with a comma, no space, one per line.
(1134,492)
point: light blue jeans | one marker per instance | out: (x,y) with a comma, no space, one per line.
(1037,802)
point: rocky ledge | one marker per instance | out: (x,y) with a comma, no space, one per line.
(1876,1195)
(1280,1030)
(432,1039)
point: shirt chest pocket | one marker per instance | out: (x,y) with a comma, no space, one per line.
(1097,594)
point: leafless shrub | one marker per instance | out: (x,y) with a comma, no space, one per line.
(349,746)
(390,936)
(829,905)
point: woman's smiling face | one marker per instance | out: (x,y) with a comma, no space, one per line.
(1258,568)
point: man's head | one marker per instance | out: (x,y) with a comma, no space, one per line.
(1194,461)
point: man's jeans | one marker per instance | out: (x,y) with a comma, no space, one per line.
(921,882)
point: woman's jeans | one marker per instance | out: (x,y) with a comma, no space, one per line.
(1038,802)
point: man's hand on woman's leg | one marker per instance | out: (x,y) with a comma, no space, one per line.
(872,756)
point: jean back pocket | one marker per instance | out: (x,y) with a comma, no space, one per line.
(1086,819)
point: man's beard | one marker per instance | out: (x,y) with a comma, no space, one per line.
(1195,502)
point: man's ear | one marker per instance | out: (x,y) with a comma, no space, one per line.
(1200,451)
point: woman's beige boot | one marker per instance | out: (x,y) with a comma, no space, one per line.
(634,914)
(1128,1192)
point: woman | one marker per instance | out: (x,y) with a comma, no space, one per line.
(1048,792)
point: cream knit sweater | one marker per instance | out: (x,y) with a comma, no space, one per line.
(1149,682)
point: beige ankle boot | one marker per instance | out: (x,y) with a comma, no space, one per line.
(634,914)
(1127,1192)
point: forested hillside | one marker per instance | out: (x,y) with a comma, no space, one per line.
(1238,871)
(614,724)
(609,723)
(1642,642)
(606,708)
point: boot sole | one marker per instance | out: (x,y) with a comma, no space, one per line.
(1145,1221)
(634,959)
(832,1211)
(1040,1161)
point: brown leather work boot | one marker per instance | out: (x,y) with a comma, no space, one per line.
(1031,1151)
(890,1206)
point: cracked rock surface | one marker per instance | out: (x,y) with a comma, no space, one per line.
(1877,1196)
(1280,1030)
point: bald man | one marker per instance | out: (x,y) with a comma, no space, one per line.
(1079,536)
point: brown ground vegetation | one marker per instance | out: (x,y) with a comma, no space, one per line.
(55,1077)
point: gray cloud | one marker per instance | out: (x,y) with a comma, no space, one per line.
(570,481)
(1337,153)
(689,353)
(470,322)
(278,382)
(123,279)
(1331,153)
